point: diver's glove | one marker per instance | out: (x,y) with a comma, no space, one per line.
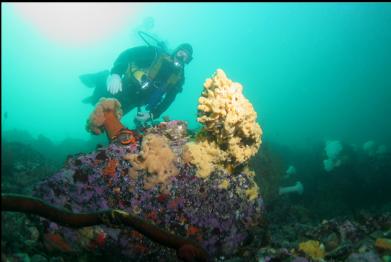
(114,84)
(143,116)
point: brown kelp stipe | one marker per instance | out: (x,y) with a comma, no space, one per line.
(186,249)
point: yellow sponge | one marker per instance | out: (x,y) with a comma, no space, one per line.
(313,249)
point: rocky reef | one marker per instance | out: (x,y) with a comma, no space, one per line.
(161,178)
(199,186)
(22,167)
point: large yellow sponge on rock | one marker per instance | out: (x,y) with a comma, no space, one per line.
(229,119)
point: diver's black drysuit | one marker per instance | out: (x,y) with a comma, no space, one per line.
(135,65)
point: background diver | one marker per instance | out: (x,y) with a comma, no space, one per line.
(142,76)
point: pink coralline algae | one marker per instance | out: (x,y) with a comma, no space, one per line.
(220,219)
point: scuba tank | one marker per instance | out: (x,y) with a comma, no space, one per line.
(145,83)
(160,46)
(153,41)
(147,80)
(156,81)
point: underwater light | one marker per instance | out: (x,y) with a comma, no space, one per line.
(78,23)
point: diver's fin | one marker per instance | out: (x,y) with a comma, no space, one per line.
(88,100)
(91,80)
(88,79)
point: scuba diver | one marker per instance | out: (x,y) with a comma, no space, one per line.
(142,76)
